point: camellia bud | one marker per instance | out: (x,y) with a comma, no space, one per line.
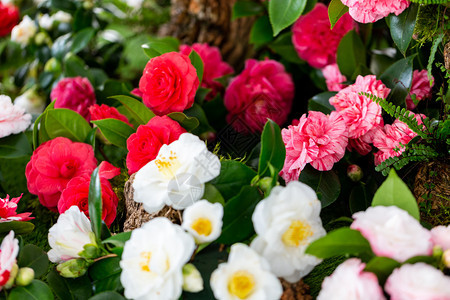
(192,279)
(90,251)
(355,173)
(265,184)
(72,268)
(12,277)
(446,258)
(52,65)
(25,276)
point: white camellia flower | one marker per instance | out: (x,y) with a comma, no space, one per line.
(153,259)
(62,17)
(136,4)
(203,220)
(177,176)
(45,21)
(69,235)
(31,102)
(246,275)
(286,223)
(24,31)
(12,117)
(8,254)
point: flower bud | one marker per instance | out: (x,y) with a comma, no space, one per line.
(192,279)
(90,251)
(40,38)
(25,276)
(355,173)
(446,258)
(265,184)
(52,65)
(72,268)
(12,277)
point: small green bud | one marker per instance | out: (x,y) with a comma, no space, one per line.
(355,173)
(90,251)
(265,184)
(25,276)
(192,279)
(72,268)
(52,65)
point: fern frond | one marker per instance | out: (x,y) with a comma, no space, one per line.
(433,51)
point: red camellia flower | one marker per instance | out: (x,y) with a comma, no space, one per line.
(53,164)
(9,16)
(262,91)
(77,193)
(169,83)
(8,209)
(100,112)
(143,146)
(313,39)
(214,66)
(75,93)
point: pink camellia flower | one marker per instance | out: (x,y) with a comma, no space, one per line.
(53,164)
(334,78)
(419,281)
(137,92)
(317,139)
(262,91)
(100,112)
(214,66)
(420,87)
(13,119)
(392,232)
(77,193)
(362,144)
(8,254)
(359,285)
(389,140)
(440,235)
(8,210)
(313,39)
(364,11)
(75,93)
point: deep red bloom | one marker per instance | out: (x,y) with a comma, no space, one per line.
(53,164)
(100,112)
(143,146)
(9,17)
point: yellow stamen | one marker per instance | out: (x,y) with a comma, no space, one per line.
(202,226)
(146,256)
(168,166)
(241,284)
(296,234)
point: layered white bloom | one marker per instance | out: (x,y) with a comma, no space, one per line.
(418,282)
(69,235)
(350,282)
(45,21)
(12,118)
(8,254)
(203,220)
(153,259)
(286,223)
(62,17)
(136,4)
(24,31)
(31,102)
(246,275)
(177,176)
(392,232)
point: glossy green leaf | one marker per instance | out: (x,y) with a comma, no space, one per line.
(18,227)
(105,275)
(283,13)
(62,45)
(321,102)
(273,150)
(402,27)
(160,46)
(326,184)
(351,53)
(115,131)
(119,239)
(36,290)
(261,32)
(394,191)
(212,194)
(32,256)
(74,66)
(69,288)
(197,62)
(360,197)
(382,267)
(197,113)
(39,125)
(342,241)
(136,109)
(66,123)
(95,203)
(335,11)
(283,46)
(108,295)
(246,9)
(65,5)
(15,146)
(81,39)
(188,123)
(237,218)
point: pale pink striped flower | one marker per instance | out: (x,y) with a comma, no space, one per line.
(420,87)
(369,11)
(334,78)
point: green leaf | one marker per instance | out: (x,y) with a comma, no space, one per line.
(32,256)
(342,241)
(40,122)
(382,267)
(197,113)
(18,227)
(137,110)
(119,239)
(160,46)
(237,217)
(394,191)
(95,203)
(273,150)
(326,184)
(15,146)
(283,46)
(36,290)
(321,102)
(360,198)
(351,53)
(115,131)
(197,62)
(69,288)
(246,9)
(212,194)
(402,27)
(283,13)
(75,66)
(62,45)
(261,32)
(233,175)
(186,122)
(108,295)
(105,275)
(67,123)
(335,11)
(81,39)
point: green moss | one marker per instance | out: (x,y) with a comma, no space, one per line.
(315,278)
(431,19)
